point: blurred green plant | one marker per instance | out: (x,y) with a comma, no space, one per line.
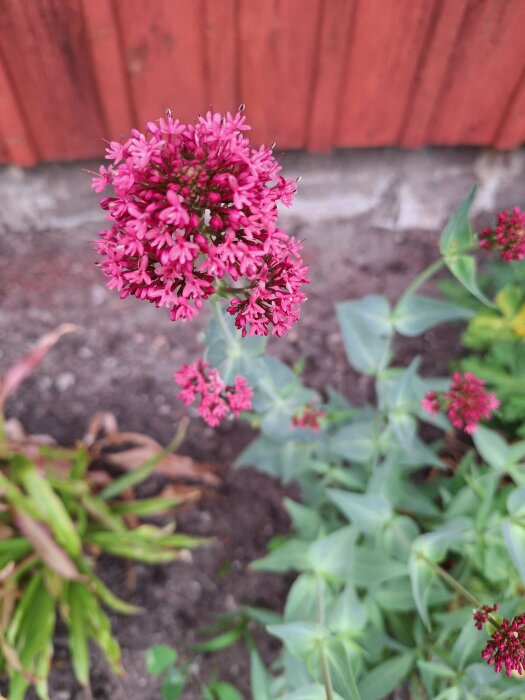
(161,660)
(57,516)
(396,541)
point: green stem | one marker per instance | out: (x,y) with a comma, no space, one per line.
(327,681)
(421,279)
(456,585)
(326,674)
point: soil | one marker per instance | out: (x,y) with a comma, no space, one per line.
(124,353)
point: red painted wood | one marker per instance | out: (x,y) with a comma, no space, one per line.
(278,42)
(483,72)
(430,77)
(511,131)
(163,43)
(109,69)
(45,49)
(335,40)
(221,69)
(313,73)
(15,143)
(388,39)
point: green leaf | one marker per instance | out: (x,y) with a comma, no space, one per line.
(259,678)
(421,579)
(291,556)
(383,679)
(224,691)
(367,331)
(492,447)
(369,512)
(457,235)
(173,683)
(78,633)
(514,537)
(314,691)
(354,442)
(159,658)
(329,556)
(51,507)
(301,638)
(347,615)
(340,669)
(416,314)
(463,267)
(306,522)
(222,641)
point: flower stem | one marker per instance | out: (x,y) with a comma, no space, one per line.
(421,279)
(326,674)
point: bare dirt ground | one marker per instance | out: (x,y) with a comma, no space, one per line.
(369,221)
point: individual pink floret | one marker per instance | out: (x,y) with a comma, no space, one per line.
(216,400)
(194,208)
(508,237)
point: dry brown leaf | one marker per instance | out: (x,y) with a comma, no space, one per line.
(25,366)
(101,422)
(44,545)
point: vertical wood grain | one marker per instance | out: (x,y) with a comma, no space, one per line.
(109,69)
(16,145)
(431,74)
(334,44)
(484,69)
(387,42)
(277,54)
(511,130)
(163,43)
(44,45)
(222,70)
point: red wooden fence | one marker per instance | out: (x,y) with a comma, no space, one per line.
(313,73)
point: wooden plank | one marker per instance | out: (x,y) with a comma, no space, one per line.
(222,68)
(110,73)
(163,46)
(483,73)
(511,131)
(278,41)
(387,41)
(45,48)
(15,143)
(431,74)
(335,38)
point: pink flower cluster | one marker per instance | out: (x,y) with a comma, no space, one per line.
(308,417)
(216,400)
(508,237)
(481,615)
(194,211)
(506,646)
(466,402)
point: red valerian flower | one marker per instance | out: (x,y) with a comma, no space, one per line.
(216,400)
(194,212)
(508,237)
(466,402)
(506,646)
(308,417)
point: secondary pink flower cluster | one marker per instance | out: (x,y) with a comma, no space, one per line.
(216,400)
(481,615)
(308,417)
(466,402)
(506,646)
(508,237)
(195,210)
